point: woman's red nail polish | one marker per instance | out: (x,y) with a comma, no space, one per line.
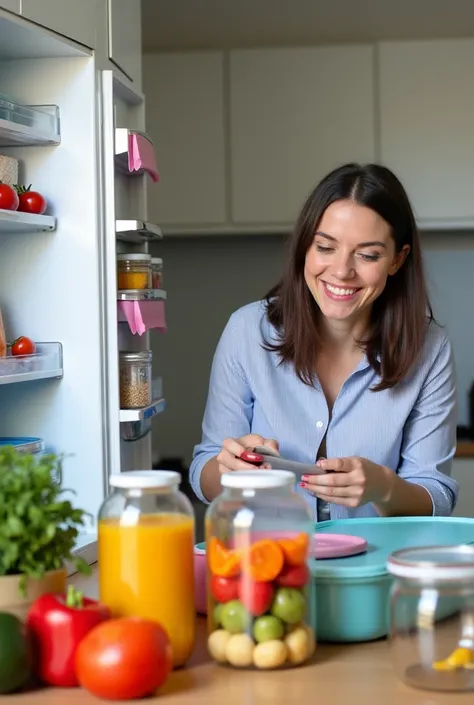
(304,478)
(302,484)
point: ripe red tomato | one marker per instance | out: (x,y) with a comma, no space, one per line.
(224,589)
(255,596)
(294,576)
(124,658)
(9,200)
(30,201)
(23,346)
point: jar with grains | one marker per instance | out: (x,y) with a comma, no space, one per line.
(135,379)
(260,592)
(432,616)
(156,273)
(134,271)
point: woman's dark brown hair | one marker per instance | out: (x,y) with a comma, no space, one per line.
(400,315)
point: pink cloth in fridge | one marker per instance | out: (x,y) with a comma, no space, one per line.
(141,155)
(143,315)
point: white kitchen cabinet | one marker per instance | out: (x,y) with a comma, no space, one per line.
(463,472)
(185,119)
(12,5)
(125,42)
(75,19)
(426,124)
(295,114)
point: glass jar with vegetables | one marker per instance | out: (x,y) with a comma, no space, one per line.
(432,616)
(260,601)
(156,273)
(146,561)
(134,271)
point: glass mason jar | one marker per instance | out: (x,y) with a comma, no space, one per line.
(134,271)
(135,383)
(260,601)
(432,616)
(146,543)
(156,273)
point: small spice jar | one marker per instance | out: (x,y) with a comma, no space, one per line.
(156,273)
(432,617)
(134,271)
(135,379)
(260,590)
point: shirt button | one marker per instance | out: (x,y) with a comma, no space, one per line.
(320,424)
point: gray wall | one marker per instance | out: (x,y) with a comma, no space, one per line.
(208,278)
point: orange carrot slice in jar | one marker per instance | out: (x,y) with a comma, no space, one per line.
(222,561)
(263,561)
(295,550)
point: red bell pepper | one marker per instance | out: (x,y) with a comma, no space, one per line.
(58,623)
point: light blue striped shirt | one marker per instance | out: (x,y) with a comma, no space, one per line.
(410,428)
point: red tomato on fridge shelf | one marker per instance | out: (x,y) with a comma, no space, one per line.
(224,589)
(23,346)
(294,576)
(30,201)
(255,596)
(123,659)
(9,200)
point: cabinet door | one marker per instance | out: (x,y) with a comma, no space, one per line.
(75,19)
(295,115)
(185,118)
(427,123)
(12,5)
(463,472)
(125,42)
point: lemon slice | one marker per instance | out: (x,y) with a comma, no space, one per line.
(460,658)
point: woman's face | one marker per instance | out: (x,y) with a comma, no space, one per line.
(347,266)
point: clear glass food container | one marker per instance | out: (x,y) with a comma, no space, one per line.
(146,562)
(432,617)
(134,271)
(156,273)
(135,379)
(260,597)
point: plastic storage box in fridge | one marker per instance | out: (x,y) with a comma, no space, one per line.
(353,594)
(23,444)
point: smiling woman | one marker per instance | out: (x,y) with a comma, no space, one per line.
(342,365)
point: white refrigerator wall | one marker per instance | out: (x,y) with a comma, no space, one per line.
(50,283)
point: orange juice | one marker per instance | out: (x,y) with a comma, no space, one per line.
(147,570)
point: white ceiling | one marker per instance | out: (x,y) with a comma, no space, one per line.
(207,24)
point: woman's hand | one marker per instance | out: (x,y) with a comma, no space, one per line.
(351,482)
(229,457)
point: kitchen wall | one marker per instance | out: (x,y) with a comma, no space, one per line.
(209,277)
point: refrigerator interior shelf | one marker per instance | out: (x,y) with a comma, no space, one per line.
(141,295)
(46,363)
(137,231)
(122,135)
(28,126)
(17,222)
(156,407)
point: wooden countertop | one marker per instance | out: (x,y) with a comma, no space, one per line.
(338,675)
(464,449)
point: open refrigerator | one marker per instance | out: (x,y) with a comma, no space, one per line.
(58,282)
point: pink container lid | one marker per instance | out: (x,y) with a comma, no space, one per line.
(337,545)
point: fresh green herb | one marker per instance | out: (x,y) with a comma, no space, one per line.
(38,527)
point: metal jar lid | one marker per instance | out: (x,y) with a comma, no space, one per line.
(432,563)
(132,356)
(134,257)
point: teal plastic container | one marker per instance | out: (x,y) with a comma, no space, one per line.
(353,593)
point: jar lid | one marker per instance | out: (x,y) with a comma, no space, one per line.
(156,260)
(258,479)
(134,257)
(135,356)
(145,479)
(433,563)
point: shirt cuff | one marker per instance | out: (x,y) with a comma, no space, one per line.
(442,498)
(195,474)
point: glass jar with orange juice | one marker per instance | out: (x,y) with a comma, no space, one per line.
(260,591)
(146,563)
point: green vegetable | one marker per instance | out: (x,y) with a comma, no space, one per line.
(38,527)
(15,654)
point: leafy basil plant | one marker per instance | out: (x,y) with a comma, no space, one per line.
(38,526)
